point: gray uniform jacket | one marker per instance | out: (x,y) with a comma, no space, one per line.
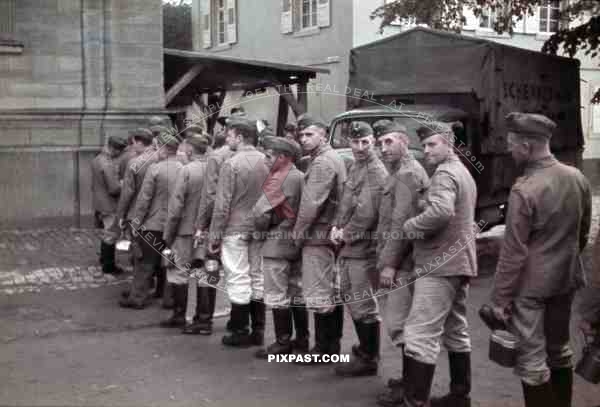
(358,211)
(213,167)
(152,201)
(446,244)
(399,202)
(239,188)
(321,192)
(183,203)
(547,226)
(276,213)
(105,183)
(132,182)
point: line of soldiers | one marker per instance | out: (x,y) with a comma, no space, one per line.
(381,237)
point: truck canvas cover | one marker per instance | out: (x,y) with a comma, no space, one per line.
(503,78)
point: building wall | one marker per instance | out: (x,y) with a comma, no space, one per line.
(259,36)
(89,69)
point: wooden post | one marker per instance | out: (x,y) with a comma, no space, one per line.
(282,115)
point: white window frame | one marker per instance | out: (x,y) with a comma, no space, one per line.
(221,19)
(544,24)
(491,16)
(313,18)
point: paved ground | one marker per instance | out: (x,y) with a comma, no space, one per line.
(66,342)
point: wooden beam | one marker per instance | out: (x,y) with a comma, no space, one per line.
(182,82)
(282,115)
(286,93)
(303,95)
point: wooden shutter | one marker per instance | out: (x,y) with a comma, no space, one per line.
(231,21)
(206,23)
(7,16)
(286,16)
(323,13)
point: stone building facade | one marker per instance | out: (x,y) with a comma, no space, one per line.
(72,73)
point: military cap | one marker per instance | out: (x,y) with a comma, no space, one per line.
(142,133)
(385,126)
(360,130)
(241,123)
(157,130)
(168,139)
(117,142)
(282,145)
(530,124)
(198,141)
(160,121)
(307,120)
(432,128)
(194,128)
(267,132)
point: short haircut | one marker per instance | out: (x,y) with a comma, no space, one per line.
(220,139)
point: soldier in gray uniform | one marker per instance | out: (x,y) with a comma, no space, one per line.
(404,187)
(355,228)
(321,192)
(178,233)
(275,214)
(547,228)
(149,219)
(445,261)
(239,188)
(105,195)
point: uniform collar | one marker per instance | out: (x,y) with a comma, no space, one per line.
(245,147)
(320,150)
(545,162)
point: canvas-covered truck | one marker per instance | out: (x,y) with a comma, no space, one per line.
(422,75)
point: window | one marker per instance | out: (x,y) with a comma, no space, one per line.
(487,19)
(7,18)
(309,13)
(221,21)
(304,17)
(549,16)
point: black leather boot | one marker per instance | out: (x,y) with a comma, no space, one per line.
(460,382)
(365,363)
(395,394)
(321,338)
(107,259)
(161,281)
(205,309)
(258,316)
(335,330)
(537,396)
(240,335)
(300,342)
(282,322)
(562,386)
(177,319)
(417,378)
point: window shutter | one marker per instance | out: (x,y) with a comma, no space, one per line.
(7,17)
(206,23)
(323,13)
(286,17)
(231,21)
(532,23)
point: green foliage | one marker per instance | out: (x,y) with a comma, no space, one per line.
(177,25)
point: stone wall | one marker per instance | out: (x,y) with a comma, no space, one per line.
(89,69)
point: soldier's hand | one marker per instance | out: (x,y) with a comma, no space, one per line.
(199,234)
(387,277)
(134,232)
(214,246)
(336,236)
(501,313)
(122,223)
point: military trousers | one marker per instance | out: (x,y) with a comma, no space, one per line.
(395,304)
(542,328)
(244,280)
(179,265)
(319,278)
(110,228)
(283,282)
(356,289)
(438,313)
(147,259)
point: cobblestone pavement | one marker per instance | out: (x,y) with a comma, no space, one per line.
(67,259)
(59,259)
